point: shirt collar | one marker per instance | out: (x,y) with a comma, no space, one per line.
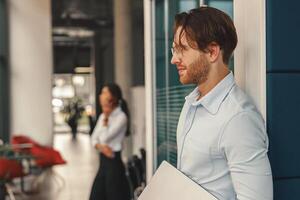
(115,111)
(212,100)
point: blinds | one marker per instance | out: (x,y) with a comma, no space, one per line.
(169,102)
(169,91)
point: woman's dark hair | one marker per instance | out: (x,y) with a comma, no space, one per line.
(205,25)
(116,92)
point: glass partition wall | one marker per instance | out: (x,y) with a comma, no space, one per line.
(170,94)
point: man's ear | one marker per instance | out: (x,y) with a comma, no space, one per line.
(213,52)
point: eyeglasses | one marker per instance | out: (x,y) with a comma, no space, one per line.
(178,50)
(175,51)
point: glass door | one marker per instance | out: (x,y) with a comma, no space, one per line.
(227,7)
(169,93)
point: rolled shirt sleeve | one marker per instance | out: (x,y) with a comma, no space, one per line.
(244,143)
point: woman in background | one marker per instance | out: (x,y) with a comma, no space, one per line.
(112,126)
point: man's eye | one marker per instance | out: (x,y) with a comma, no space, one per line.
(184,47)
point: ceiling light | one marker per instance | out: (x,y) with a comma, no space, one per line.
(84,69)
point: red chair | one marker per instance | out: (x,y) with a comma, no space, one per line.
(10,169)
(44,156)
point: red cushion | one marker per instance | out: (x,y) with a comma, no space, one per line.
(10,168)
(17,140)
(45,156)
(22,140)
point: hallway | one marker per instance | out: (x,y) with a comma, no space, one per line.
(73,180)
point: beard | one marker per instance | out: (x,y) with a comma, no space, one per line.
(197,72)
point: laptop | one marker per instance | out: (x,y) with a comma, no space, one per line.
(168,183)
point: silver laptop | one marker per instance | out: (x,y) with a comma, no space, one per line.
(168,183)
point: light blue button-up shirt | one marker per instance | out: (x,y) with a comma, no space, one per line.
(222,144)
(114,133)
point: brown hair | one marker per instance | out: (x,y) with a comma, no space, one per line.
(205,25)
(116,92)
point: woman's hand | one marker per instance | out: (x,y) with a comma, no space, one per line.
(105,149)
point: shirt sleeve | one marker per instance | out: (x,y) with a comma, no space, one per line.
(96,132)
(114,128)
(244,143)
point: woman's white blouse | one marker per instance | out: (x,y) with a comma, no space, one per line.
(112,134)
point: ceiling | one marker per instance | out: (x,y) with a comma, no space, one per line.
(74,23)
(90,14)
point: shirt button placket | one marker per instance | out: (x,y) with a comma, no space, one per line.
(187,126)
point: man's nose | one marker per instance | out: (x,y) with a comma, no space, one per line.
(175,60)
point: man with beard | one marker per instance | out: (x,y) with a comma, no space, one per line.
(221,137)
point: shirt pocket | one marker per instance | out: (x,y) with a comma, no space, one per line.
(198,160)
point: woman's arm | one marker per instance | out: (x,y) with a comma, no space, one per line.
(116,127)
(103,148)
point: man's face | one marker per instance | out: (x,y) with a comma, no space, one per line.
(192,64)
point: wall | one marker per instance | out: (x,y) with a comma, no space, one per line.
(138,119)
(31,69)
(283,86)
(4,72)
(250,53)
(138,68)
(149,89)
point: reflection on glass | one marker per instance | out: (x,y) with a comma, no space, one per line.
(227,7)
(169,92)
(186,5)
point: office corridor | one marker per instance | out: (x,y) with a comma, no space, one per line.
(73,180)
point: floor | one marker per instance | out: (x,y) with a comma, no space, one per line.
(71,181)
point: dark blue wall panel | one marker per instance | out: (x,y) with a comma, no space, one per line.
(283,31)
(283,121)
(4,74)
(283,95)
(287,189)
